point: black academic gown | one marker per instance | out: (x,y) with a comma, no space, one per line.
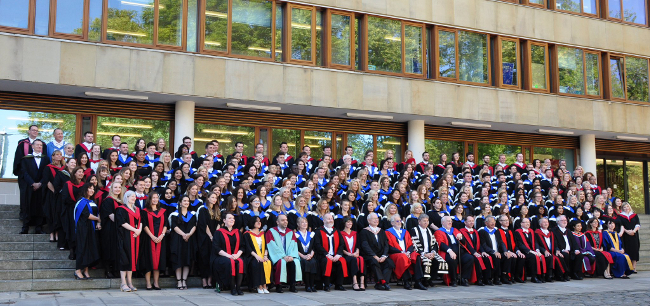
(108,234)
(183,253)
(23,149)
(69,200)
(204,243)
(152,255)
(372,245)
(60,181)
(86,237)
(128,246)
(224,268)
(32,171)
(49,201)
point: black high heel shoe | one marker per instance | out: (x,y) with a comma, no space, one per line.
(77,277)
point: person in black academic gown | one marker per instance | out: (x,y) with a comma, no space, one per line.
(60,181)
(129,228)
(208,219)
(69,196)
(31,174)
(227,249)
(86,222)
(308,262)
(49,201)
(183,241)
(23,149)
(153,243)
(108,234)
(374,249)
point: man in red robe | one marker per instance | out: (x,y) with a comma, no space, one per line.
(329,251)
(401,251)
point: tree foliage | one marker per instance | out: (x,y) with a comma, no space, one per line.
(636,70)
(472,57)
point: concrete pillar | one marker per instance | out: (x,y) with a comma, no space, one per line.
(416,138)
(588,153)
(184,122)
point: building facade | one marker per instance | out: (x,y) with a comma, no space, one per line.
(556,79)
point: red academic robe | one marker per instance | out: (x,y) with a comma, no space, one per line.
(551,250)
(402,262)
(441,237)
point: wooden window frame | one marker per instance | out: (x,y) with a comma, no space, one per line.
(556,70)
(582,8)
(457,32)
(609,95)
(605,14)
(528,63)
(31,22)
(435,45)
(499,61)
(52,23)
(154,44)
(287,28)
(327,24)
(527,2)
(423,36)
(365,47)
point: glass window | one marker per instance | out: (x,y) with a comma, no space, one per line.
(278,33)
(413,49)
(538,2)
(357,59)
(384,44)
(170,22)
(130,130)
(636,70)
(509,62)
(15,125)
(635,187)
(251,27)
(494,150)
(339,146)
(301,35)
(317,141)
(192,25)
(555,155)
(447,54)
(319,38)
(538,66)
(472,57)
(633,10)
(616,77)
(14,14)
(291,137)
(341,39)
(360,143)
(130,21)
(568,5)
(227,136)
(437,147)
(385,143)
(593,74)
(590,7)
(69,16)
(95,20)
(216,25)
(570,63)
(42,19)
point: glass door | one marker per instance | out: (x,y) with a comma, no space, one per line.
(627,179)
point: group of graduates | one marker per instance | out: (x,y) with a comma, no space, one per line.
(270,223)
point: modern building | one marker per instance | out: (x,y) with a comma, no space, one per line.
(557,79)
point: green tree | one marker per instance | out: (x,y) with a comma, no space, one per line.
(636,70)
(384,44)
(472,57)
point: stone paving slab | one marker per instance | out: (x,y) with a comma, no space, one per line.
(635,291)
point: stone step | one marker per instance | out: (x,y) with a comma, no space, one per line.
(9,215)
(70,283)
(64,273)
(9,207)
(642,266)
(14,221)
(16,255)
(16,264)
(28,246)
(10,237)
(53,264)
(33,255)
(15,274)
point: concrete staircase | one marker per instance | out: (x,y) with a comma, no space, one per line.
(644,252)
(31,262)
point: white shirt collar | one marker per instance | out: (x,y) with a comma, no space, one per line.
(545,231)
(471,230)
(561,229)
(58,144)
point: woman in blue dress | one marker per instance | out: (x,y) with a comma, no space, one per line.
(622,266)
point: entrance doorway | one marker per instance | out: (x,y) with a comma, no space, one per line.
(628,180)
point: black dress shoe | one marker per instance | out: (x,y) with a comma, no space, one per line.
(505,280)
(420,286)
(278,289)
(464,283)
(407,285)
(293,289)
(379,286)
(233,291)
(431,284)
(519,280)
(239,292)
(453,284)
(480,283)
(307,289)
(387,286)
(541,279)
(489,282)
(535,280)
(24,230)
(497,282)
(548,279)
(326,288)
(339,288)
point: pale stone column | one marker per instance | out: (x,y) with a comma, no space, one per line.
(588,153)
(184,122)
(416,138)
